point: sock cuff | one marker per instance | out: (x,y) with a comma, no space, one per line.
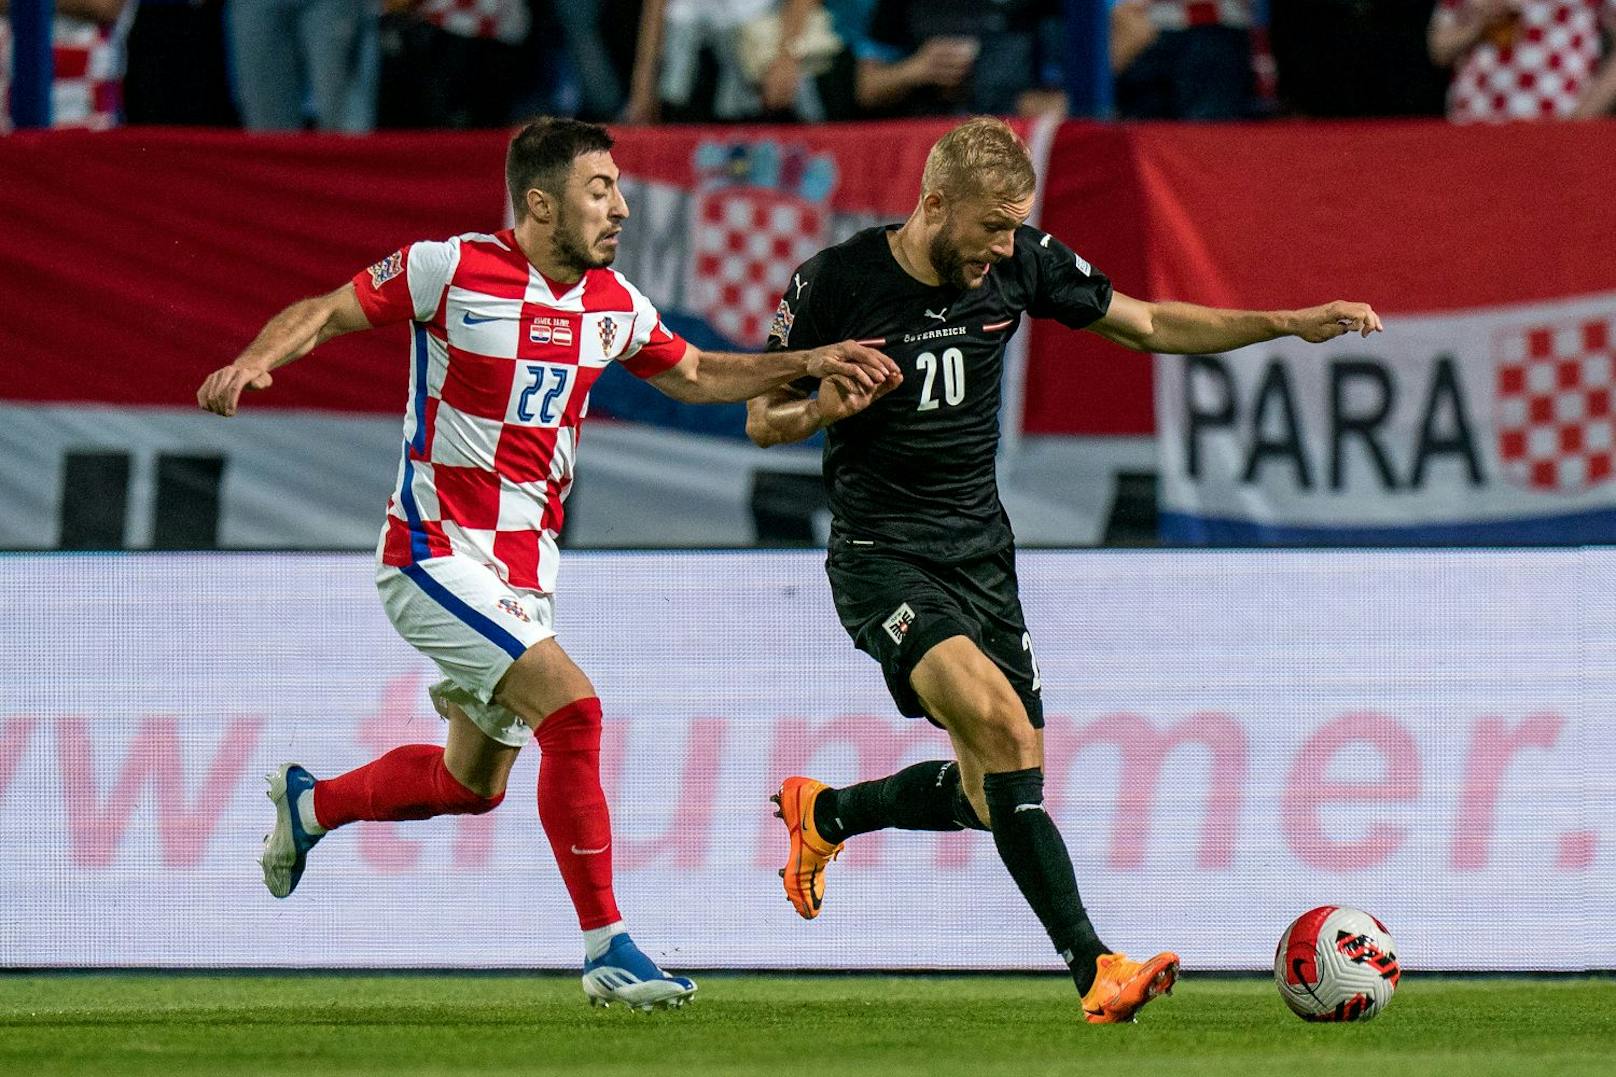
(1019,786)
(574,727)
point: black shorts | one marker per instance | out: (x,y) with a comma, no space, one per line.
(897,608)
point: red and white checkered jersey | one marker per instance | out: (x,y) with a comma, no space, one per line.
(1536,67)
(502,362)
(1181,14)
(88,57)
(497,20)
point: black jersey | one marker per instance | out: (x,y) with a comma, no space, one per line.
(915,471)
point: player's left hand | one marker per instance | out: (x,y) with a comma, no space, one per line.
(222,390)
(1318,324)
(864,368)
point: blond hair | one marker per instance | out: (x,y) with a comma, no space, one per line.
(983,155)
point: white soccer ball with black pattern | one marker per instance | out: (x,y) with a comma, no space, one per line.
(1336,964)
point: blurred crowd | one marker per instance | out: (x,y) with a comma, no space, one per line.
(359,65)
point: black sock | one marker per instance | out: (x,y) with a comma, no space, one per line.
(926,796)
(1032,848)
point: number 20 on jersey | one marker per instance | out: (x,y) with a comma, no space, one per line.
(951,364)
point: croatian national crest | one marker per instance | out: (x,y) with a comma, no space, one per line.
(386,269)
(514,608)
(608,333)
(761,209)
(1553,408)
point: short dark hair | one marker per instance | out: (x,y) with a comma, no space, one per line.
(542,153)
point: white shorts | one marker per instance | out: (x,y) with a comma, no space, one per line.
(460,614)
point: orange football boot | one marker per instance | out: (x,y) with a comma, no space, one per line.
(804,873)
(1122,987)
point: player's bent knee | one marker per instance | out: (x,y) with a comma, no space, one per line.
(457,799)
(542,681)
(1003,738)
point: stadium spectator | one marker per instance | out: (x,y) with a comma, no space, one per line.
(176,74)
(598,59)
(1354,58)
(302,62)
(1525,59)
(687,64)
(946,56)
(1182,59)
(87,41)
(451,63)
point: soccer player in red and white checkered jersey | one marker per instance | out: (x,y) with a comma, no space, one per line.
(1525,59)
(87,52)
(510,332)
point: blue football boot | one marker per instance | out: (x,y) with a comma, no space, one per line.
(286,849)
(624,974)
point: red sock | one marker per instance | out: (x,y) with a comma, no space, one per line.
(407,783)
(572,809)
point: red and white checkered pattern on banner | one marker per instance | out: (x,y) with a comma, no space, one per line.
(747,239)
(1180,14)
(87,92)
(501,369)
(1556,422)
(1534,67)
(497,20)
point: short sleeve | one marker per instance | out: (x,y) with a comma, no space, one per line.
(408,284)
(653,348)
(798,319)
(1062,284)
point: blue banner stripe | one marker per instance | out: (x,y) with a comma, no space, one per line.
(458,608)
(1596,527)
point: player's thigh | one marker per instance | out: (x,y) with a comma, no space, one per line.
(970,696)
(896,609)
(989,589)
(475,627)
(477,761)
(541,682)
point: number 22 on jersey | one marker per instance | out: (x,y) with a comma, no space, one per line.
(540,394)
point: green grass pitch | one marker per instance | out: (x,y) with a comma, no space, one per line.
(131,1024)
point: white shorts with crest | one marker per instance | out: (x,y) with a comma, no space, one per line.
(459,613)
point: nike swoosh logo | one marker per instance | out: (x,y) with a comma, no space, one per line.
(587,852)
(467,319)
(1028,807)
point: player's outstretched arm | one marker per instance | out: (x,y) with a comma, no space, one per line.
(291,334)
(1187,329)
(785,415)
(726,377)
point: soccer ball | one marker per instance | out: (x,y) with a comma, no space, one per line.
(1336,964)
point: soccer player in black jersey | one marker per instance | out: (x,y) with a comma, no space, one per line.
(922,560)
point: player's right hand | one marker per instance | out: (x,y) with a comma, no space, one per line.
(864,368)
(839,398)
(221,392)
